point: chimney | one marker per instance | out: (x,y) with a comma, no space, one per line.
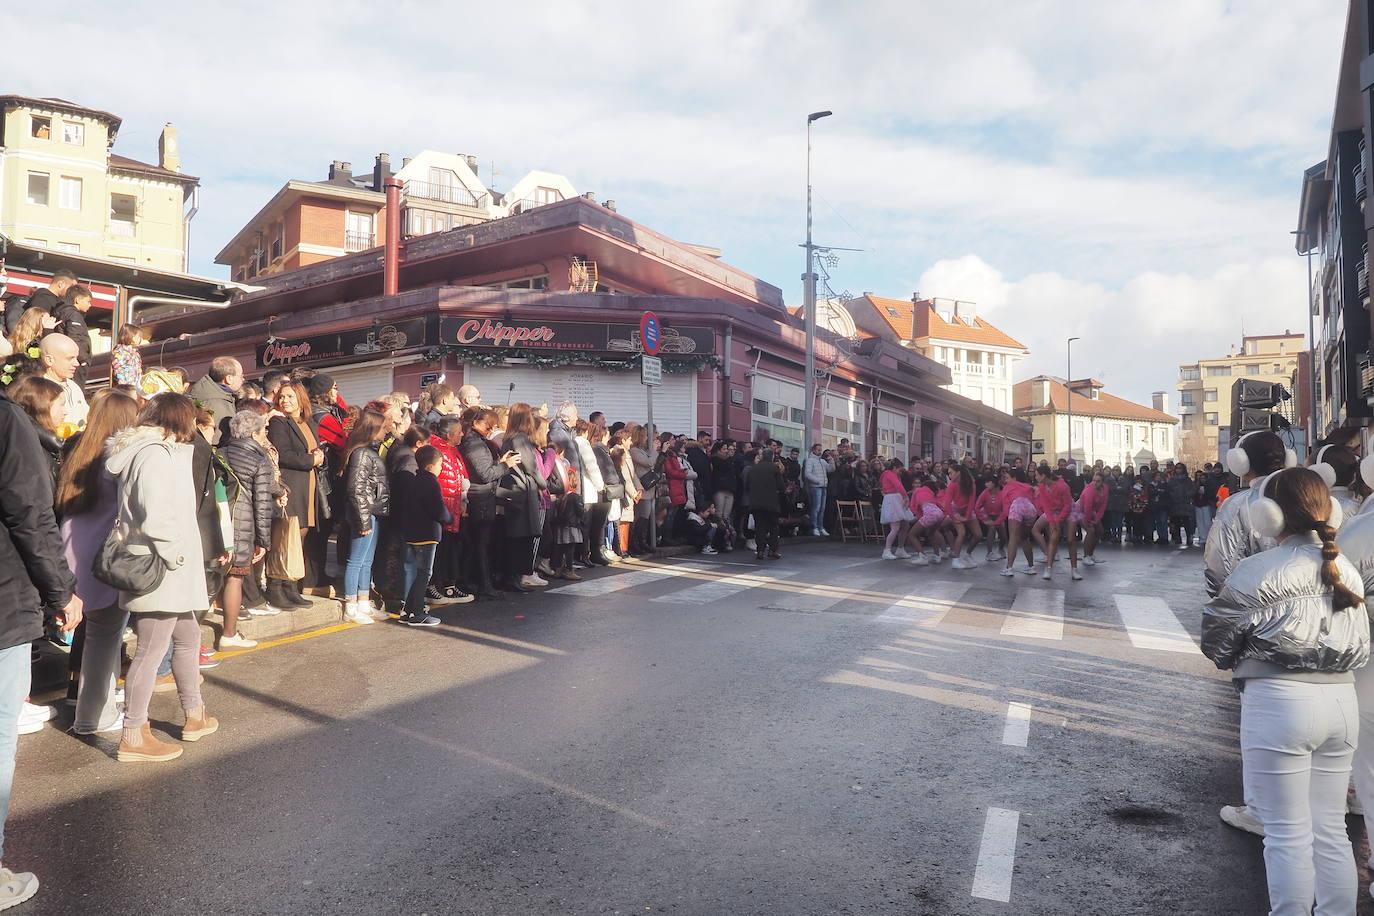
(168,157)
(472,163)
(1040,392)
(1160,400)
(381,171)
(590,195)
(340,172)
(405,162)
(609,205)
(965,310)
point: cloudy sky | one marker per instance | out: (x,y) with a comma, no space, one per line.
(1126,173)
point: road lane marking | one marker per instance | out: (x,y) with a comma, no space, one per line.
(825,596)
(1152,625)
(595,588)
(1037,613)
(1017,730)
(726,587)
(927,605)
(996,856)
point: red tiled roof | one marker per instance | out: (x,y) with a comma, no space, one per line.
(1104,405)
(929,323)
(133,165)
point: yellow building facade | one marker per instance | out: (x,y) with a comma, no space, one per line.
(1204,388)
(62,188)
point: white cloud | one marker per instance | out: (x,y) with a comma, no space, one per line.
(1135,336)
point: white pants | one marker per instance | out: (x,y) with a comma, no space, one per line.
(1364,753)
(1297,741)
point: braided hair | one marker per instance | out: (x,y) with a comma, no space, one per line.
(1306,506)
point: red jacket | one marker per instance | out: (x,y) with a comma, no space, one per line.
(451,477)
(1093,503)
(677,480)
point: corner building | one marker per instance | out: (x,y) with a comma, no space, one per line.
(733,355)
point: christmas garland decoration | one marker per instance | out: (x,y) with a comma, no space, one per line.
(490,359)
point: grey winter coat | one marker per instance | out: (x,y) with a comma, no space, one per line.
(255,503)
(1274,617)
(1232,538)
(157,510)
(211,395)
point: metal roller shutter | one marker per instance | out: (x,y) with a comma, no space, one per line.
(362,384)
(619,395)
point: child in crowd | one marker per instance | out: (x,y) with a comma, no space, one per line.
(703,530)
(569,516)
(126,363)
(423,515)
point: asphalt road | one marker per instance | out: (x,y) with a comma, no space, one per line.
(825,734)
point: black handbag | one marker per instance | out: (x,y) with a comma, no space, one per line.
(650,479)
(118,567)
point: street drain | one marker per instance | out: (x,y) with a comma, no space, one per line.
(1139,814)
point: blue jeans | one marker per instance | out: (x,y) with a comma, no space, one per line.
(14,690)
(816,496)
(419,563)
(1162,525)
(358,571)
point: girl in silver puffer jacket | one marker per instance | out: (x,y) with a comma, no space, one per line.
(1291,623)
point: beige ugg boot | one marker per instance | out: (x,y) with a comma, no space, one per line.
(139,744)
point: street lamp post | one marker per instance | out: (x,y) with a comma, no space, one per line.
(1068,386)
(809,292)
(1311,344)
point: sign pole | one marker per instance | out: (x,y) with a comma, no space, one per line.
(653,497)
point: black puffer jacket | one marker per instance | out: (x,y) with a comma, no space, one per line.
(255,500)
(367,492)
(484,472)
(52,447)
(33,572)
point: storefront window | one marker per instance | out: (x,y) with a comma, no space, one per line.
(892,433)
(841,418)
(777,408)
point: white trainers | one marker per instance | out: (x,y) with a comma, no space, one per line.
(236,641)
(16,887)
(1075,575)
(888,555)
(1026,568)
(709,550)
(262,610)
(1046,573)
(373,611)
(920,560)
(353,613)
(961,562)
(902,554)
(750,544)
(533,581)
(1088,561)
(1239,817)
(935,558)
(1007,571)
(115,726)
(32,717)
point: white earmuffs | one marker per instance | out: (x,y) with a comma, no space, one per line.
(1266,518)
(1325,471)
(1367,471)
(1238,462)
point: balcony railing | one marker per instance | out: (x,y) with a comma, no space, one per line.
(359,241)
(1361,186)
(448,193)
(529,203)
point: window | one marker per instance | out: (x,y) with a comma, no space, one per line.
(1099,431)
(276,247)
(40,128)
(1254,369)
(1127,431)
(38,188)
(893,312)
(74,132)
(69,193)
(1116,434)
(358,231)
(777,410)
(123,214)
(544,196)
(1218,370)
(1278,368)
(892,434)
(961,443)
(1186,399)
(1211,419)
(1189,374)
(36,243)
(1210,394)
(841,418)
(69,247)
(1079,431)
(1190,421)
(539,282)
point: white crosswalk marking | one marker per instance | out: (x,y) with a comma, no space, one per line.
(1037,613)
(826,595)
(996,855)
(595,588)
(1152,625)
(726,587)
(927,604)
(1017,730)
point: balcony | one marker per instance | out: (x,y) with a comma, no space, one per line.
(447,193)
(525,204)
(1362,276)
(359,241)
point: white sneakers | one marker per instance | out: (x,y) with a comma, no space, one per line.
(31,719)
(533,581)
(1240,818)
(919,560)
(1026,568)
(888,555)
(376,613)
(902,554)
(1074,574)
(1007,571)
(239,641)
(709,550)
(749,542)
(353,613)
(1046,573)
(262,610)
(1088,561)
(116,726)
(962,562)
(16,887)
